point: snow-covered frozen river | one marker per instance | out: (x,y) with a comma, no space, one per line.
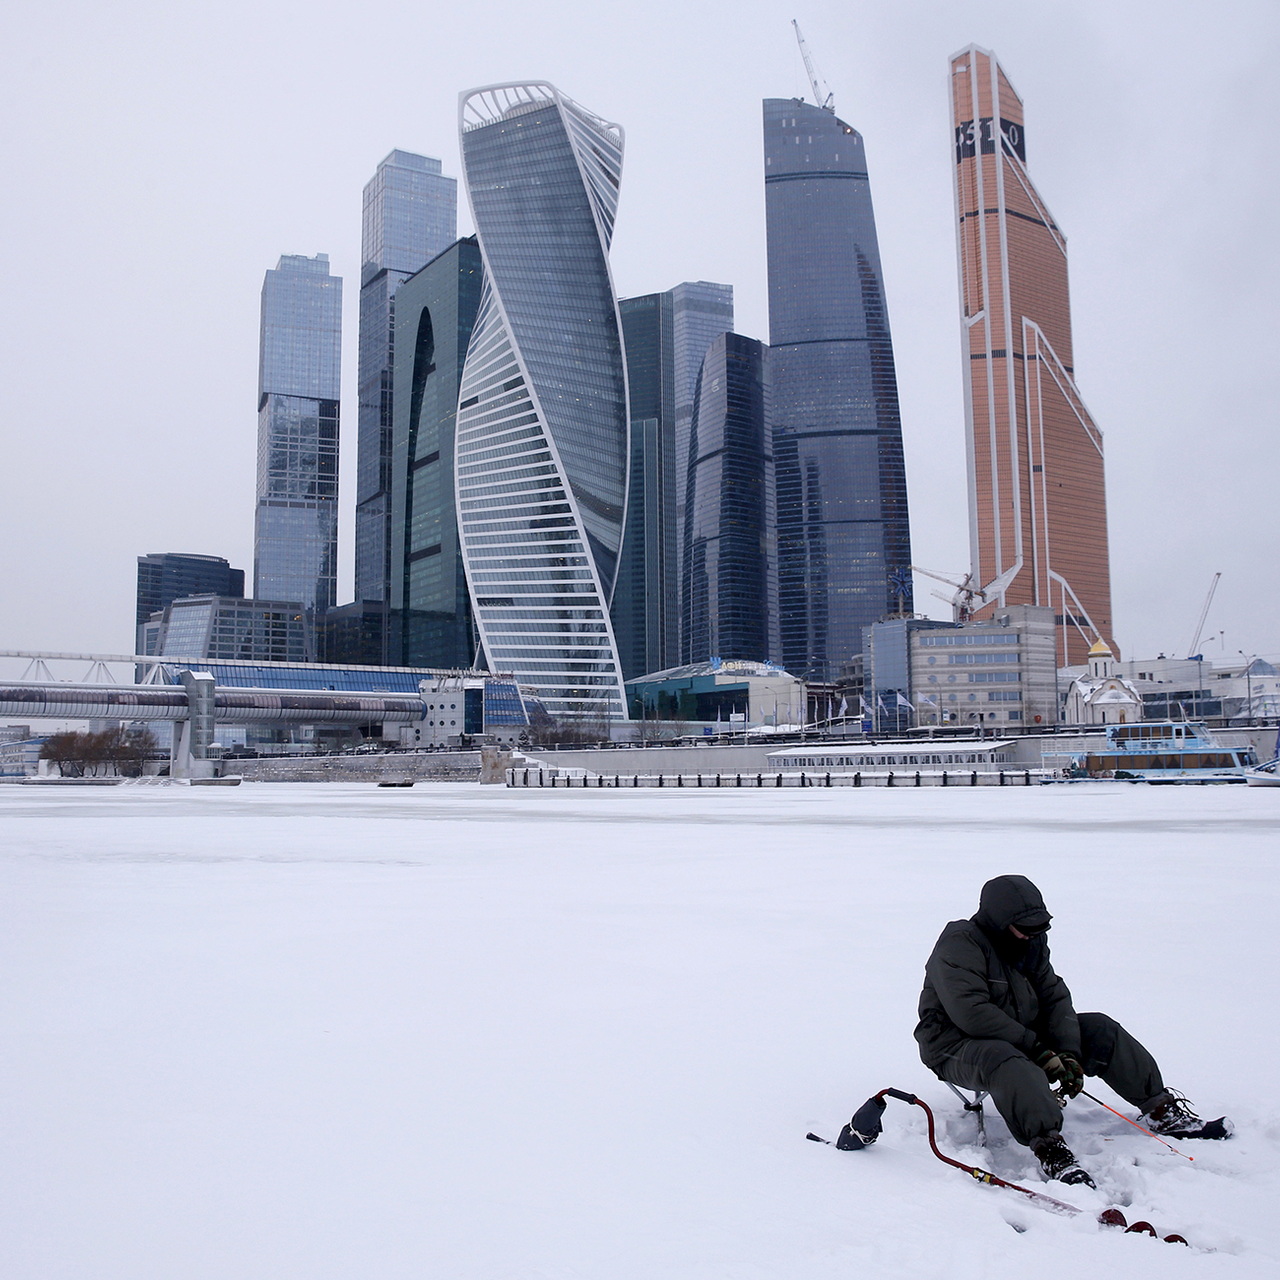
(336,1032)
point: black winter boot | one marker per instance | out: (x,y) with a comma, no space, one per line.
(1170,1115)
(1058,1162)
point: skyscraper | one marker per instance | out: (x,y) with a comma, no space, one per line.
(410,216)
(728,580)
(430,607)
(295,556)
(646,600)
(666,336)
(837,439)
(700,311)
(541,460)
(1037,497)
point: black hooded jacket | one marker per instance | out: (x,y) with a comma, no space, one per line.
(982,983)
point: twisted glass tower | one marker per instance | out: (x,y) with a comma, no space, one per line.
(541,449)
(843,543)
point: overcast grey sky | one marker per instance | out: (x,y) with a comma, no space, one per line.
(160,157)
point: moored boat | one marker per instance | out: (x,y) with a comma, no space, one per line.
(1163,752)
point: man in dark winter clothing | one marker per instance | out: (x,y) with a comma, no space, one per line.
(995,1016)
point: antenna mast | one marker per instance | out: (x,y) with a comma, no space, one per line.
(821,94)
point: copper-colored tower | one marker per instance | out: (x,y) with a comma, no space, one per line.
(1037,496)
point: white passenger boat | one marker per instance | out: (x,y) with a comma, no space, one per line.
(1162,752)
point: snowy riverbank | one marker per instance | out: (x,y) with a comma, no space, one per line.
(272,1031)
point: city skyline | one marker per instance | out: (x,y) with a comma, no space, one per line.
(1139,297)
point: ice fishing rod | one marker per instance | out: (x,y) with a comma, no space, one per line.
(1137,1126)
(865,1127)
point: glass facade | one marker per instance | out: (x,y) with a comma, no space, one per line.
(542,429)
(296,526)
(666,336)
(646,615)
(843,537)
(164,577)
(1037,486)
(700,311)
(430,610)
(728,583)
(410,216)
(216,627)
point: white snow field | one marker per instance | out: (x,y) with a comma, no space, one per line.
(333,1032)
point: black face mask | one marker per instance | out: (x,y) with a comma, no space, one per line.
(1013,951)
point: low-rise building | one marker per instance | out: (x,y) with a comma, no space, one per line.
(1100,696)
(1002,671)
(19,751)
(1241,691)
(732,691)
(229,629)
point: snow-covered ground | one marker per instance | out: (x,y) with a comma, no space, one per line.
(340,1032)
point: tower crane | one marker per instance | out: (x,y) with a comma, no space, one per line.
(969,597)
(962,603)
(822,95)
(1204,613)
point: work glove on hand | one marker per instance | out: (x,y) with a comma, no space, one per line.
(1062,1068)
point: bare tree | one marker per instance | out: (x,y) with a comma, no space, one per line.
(112,752)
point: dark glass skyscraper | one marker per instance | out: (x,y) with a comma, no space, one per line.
(728,579)
(430,608)
(646,613)
(541,460)
(837,438)
(295,555)
(667,335)
(700,311)
(410,216)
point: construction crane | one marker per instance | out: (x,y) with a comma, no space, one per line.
(969,598)
(821,94)
(962,603)
(1204,613)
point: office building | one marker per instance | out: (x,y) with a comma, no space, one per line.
(410,216)
(738,694)
(700,311)
(231,629)
(843,541)
(665,336)
(728,583)
(430,615)
(885,695)
(1037,495)
(165,576)
(542,430)
(1001,670)
(295,555)
(352,634)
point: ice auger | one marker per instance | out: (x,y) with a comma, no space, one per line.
(865,1127)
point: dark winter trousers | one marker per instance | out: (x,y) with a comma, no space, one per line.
(1021,1090)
